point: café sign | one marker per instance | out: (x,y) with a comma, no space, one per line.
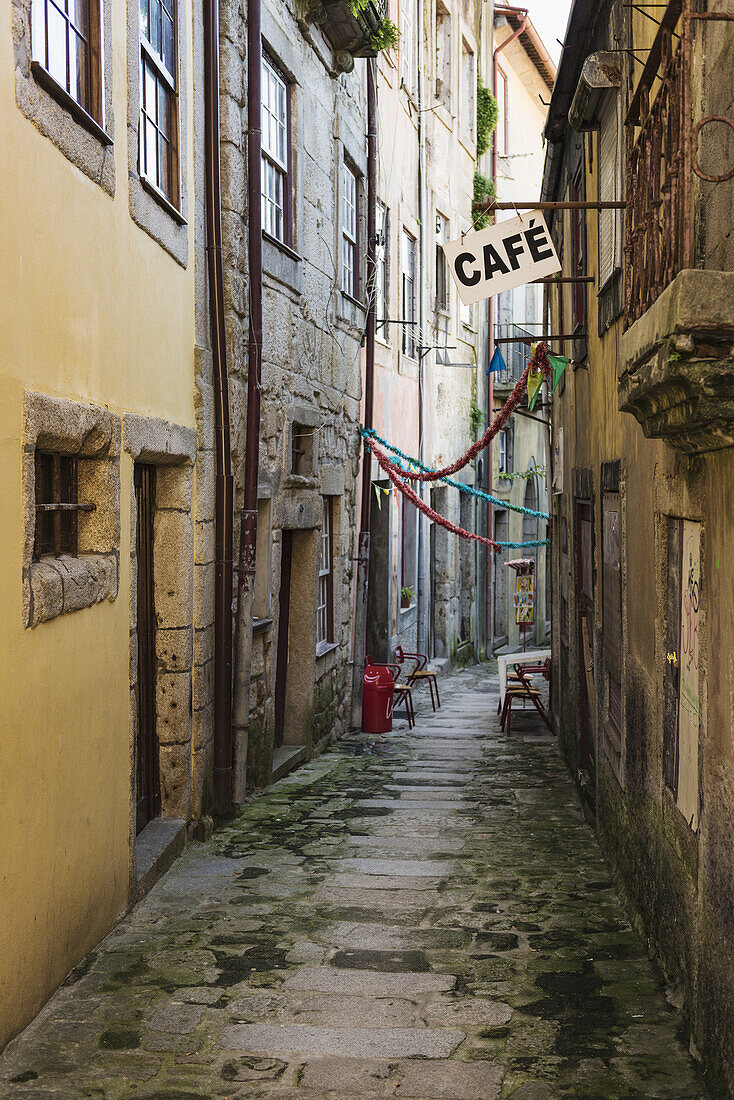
(505,255)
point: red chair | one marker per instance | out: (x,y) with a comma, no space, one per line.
(419,672)
(401,692)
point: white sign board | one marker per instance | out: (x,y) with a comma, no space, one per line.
(503,256)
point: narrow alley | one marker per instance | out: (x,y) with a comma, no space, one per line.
(422,915)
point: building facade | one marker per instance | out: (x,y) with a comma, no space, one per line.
(422,580)
(643,481)
(100,668)
(523,75)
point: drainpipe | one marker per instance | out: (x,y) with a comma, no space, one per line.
(248,519)
(490,397)
(363,543)
(421,580)
(222,779)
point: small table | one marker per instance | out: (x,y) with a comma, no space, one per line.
(530,657)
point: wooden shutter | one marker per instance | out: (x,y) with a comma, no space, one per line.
(609,175)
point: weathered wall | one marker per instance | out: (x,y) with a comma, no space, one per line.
(677,876)
(97,313)
(310,369)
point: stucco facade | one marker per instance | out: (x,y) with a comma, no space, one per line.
(97,277)
(643,615)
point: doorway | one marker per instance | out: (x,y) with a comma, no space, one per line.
(284,615)
(147,790)
(585,619)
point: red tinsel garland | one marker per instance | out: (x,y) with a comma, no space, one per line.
(396,473)
(538,362)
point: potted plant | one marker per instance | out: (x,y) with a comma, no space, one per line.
(406,596)
(359,27)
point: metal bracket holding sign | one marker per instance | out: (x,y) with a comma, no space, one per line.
(505,255)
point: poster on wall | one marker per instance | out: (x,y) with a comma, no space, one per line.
(525,598)
(688,703)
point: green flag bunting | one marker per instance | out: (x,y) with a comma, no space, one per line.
(559,364)
(535,380)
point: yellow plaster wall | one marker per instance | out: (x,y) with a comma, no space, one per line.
(93,310)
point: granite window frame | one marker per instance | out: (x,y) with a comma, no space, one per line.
(54,585)
(85,139)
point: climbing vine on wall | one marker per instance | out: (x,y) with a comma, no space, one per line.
(483,187)
(487,115)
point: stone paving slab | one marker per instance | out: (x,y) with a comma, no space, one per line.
(273,962)
(356,1042)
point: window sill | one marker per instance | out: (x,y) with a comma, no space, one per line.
(161,199)
(282,246)
(408,609)
(261,625)
(322,648)
(43,77)
(64,584)
(355,301)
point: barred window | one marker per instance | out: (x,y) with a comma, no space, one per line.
(158,111)
(57,505)
(275,147)
(350,232)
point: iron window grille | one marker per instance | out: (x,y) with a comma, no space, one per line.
(350,232)
(301,450)
(57,505)
(158,99)
(275,153)
(66,43)
(409,313)
(325,605)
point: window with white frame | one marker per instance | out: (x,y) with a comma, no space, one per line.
(350,232)
(610,186)
(409,341)
(468,92)
(504,452)
(443,55)
(275,146)
(382,289)
(325,605)
(466,315)
(66,43)
(158,98)
(407,44)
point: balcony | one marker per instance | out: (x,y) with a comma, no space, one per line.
(676,364)
(349,25)
(515,353)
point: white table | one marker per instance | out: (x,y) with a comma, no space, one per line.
(530,657)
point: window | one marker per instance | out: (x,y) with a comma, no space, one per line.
(502,132)
(443,55)
(612,606)
(275,154)
(301,450)
(66,43)
(325,606)
(407,45)
(468,92)
(504,448)
(382,286)
(409,547)
(577,254)
(610,187)
(466,315)
(350,232)
(158,117)
(57,507)
(442,272)
(408,269)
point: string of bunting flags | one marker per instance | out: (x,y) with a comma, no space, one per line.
(541,366)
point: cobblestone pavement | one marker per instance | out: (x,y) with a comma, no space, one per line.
(421,915)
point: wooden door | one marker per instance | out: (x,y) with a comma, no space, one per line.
(284,614)
(148,802)
(585,620)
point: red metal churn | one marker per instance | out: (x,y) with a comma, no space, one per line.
(377,692)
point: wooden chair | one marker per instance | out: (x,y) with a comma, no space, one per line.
(419,673)
(523,690)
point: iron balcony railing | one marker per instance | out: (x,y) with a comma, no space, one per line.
(515,353)
(662,159)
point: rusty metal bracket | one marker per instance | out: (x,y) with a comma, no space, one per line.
(694,146)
